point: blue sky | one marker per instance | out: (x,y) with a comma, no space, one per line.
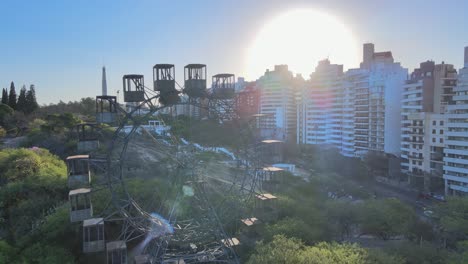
(60,46)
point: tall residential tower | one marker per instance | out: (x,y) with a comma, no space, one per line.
(456,144)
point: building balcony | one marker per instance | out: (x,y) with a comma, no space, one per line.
(452,169)
(456,143)
(455,151)
(414,157)
(412,99)
(453,107)
(437,156)
(458,188)
(457,134)
(457,124)
(455,178)
(456,160)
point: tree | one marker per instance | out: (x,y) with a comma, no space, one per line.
(31,101)
(386,218)
(45,254)
(283,250)
(32,181)
(377,163)
(8,254)
(454,218)
(4,96)
(5,112)
(22,104)
(294,227)
(12,96)
(425,252)
(343,217)
(460,256)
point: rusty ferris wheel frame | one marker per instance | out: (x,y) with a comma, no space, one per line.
(137,222)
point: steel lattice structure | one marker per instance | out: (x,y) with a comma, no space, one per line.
(162,237)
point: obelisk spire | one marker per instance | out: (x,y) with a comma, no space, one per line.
(104,81)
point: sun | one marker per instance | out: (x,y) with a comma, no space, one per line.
(300,38)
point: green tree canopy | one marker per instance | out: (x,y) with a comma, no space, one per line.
(386,218)
(454,218)
(5,112)
(4,96)
(22,104)
(31,101)
(12,96)
(283,250)
(294,227)
(32,181)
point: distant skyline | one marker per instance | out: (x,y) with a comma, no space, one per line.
(61,46)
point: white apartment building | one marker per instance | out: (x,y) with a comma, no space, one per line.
(357,111)
(377,94)
(278,89)
(456,144)
(321,106)
(385,90)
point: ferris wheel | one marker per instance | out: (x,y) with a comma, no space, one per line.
(142,194)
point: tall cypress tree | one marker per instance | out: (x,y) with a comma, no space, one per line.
(22,104)
(12,96)
(31,101)
(4,96)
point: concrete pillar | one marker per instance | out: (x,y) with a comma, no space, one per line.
(446,188)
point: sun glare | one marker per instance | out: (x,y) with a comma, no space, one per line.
(300,38)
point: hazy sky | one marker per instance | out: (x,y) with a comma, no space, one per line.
(60,46)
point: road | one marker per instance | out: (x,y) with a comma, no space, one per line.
(406,196)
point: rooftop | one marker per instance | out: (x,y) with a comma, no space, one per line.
(93,221)
(249,221)
(78,157)
(79,191)
(272,169)
(230,242)
(265,196)
(195,65)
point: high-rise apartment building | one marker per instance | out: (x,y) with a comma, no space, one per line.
(456,144)
(278,89)
(321,107)
(426,95)
(357,111)
(247,101)
(326,109)
(386,79)
(377,87)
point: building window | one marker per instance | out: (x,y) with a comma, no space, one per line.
(441,132)
(433,131)
(434,123)
(441,140)
(433,140)
(441,123)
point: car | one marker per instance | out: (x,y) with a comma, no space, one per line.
(424,196)
(439,197)
(429,213)
(421,204)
